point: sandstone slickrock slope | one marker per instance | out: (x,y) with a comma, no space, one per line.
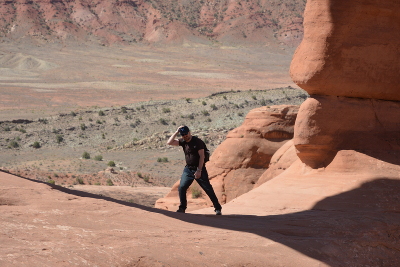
(157,21)
(236,164)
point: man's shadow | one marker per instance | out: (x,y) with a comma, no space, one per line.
(360,227)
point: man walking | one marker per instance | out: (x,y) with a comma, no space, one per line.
(195,169)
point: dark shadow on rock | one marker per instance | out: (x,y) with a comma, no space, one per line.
(360,227)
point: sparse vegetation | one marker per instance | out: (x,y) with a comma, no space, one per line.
(205,113)
(13,144)
(86,155)
(163,121)
(165,159)
(111,163)
(59,138)
(196,192)
(98,157)
(36,145)
(109,182)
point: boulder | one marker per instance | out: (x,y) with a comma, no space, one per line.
(350,48)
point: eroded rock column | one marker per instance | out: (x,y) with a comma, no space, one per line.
(349,63)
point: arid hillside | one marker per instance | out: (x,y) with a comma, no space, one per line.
(265,22)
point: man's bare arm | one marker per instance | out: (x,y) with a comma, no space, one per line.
(172,141)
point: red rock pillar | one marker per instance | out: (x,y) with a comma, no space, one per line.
(348,60)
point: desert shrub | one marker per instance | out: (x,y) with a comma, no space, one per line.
(98,122)
(97,183)
(240,114)
(109,182)
(165,159)
(103,136)
(191,116)
(204,103)
(214,107)
(123,109)
(59,138)
(224,97)
(101,113)
(98,157)
(139,174)
(146,178)
(111,163)
(163,121)
(90,119)
(196,192)
(44,121)
(128,117)
(36,145)
(51,181)
(73,114)
(263,102)
(13,144)
(79,180)
(209,120)
(22,130)
(205,113)
(83,126)
(166,110)
(254,97)
(86,155)
(188,100)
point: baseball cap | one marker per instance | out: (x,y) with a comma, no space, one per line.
(184,130)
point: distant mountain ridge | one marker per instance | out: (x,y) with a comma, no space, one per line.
(258,22)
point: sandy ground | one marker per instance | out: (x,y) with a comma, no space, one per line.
(37,81)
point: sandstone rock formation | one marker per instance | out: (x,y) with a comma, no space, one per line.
(157,21)
(280,161)
(349,50)
(236,165)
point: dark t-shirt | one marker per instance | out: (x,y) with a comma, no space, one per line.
(191,150)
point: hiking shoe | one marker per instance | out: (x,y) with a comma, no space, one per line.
(218,212)
(181,210)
